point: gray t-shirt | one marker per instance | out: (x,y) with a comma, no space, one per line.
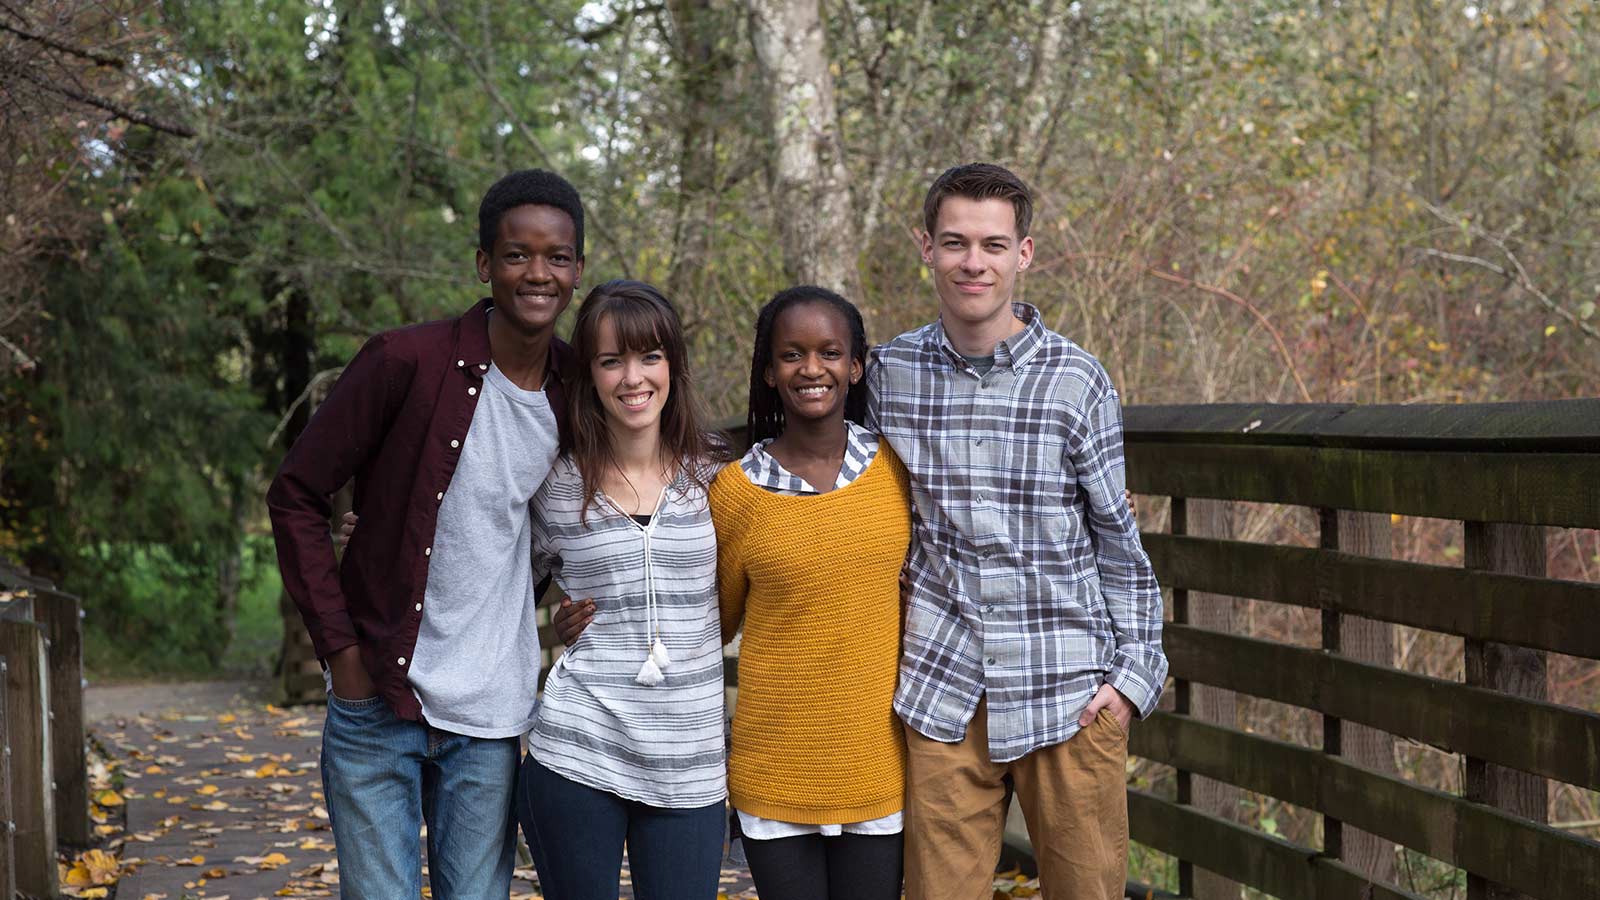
(476,665)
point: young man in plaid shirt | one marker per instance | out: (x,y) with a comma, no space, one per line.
(1033,620)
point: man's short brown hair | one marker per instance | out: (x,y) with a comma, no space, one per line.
(980,181)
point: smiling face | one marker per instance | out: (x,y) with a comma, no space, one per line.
(812,369)
(976,253)
(633,385)
(532,268)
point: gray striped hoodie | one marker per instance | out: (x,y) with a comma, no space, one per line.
(597,724)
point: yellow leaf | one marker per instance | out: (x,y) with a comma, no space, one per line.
(108,797)
(227,719)
(1549,330)
(94,867)
(95,892)
(206,790)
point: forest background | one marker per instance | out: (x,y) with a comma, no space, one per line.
(205,207)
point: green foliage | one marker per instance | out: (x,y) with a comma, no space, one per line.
(154,629)
(1265,200)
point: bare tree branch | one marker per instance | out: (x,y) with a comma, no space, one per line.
(1516,272)
(176,129)
(99,59)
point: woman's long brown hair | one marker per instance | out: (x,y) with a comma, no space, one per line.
(645,320)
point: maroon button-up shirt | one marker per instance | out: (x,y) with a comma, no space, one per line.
(394,422)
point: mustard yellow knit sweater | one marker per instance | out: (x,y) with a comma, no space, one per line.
(816,582)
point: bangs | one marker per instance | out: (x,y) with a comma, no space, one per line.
(640,324)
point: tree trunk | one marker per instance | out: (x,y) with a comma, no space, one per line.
(811,187)
(694,26)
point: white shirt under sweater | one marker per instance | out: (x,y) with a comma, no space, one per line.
(597,725)
(764,471)
(470,668)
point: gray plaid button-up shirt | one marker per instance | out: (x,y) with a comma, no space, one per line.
(1027,580)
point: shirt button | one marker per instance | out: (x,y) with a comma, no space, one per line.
(979,498)
(455,444)
(991,660)
(483,367)
(460,363)
(978,442)
(401,661)
(439,496)
(472,392)
(427,551)
(419,607)
(987,607)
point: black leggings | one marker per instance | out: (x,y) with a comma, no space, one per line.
(813,867)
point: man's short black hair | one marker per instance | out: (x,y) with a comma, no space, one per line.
(529,186)
(980,181)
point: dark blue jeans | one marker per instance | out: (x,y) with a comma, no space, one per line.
(576,835)
(384,776)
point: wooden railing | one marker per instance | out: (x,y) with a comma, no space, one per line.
(1506,471)
(44,787)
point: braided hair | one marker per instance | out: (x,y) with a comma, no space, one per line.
(766,419)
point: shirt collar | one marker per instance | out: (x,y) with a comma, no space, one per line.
(1013,352)
(764,470)
(472,345)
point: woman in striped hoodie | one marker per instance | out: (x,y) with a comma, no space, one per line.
(628,745)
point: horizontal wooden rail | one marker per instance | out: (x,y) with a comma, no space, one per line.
(1535,859)
(1544,738)
(1547,426)
(1511,609)
(1529,488)
(1245,855)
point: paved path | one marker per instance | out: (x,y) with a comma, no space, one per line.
(223,797)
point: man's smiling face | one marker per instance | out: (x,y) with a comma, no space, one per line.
(533,267)
(975,253)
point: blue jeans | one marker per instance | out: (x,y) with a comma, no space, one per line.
(576,835)
(385,776)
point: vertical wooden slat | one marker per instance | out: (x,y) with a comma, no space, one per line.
(1212,518)
(1518,550)
(8,854)
(1368,534)
(60,617)
(28,732)
(1182,699)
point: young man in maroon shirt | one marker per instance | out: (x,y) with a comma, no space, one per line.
(426,628)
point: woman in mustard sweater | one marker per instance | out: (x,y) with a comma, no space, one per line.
(812,529)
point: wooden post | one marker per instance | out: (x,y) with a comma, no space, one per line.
(1368,534)
(1213,519)
(1182,699)
(8,853)
(61,618)
(28,733)
(1519,550)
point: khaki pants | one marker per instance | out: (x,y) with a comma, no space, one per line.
(1073,795)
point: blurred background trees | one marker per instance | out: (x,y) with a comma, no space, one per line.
(207,205)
